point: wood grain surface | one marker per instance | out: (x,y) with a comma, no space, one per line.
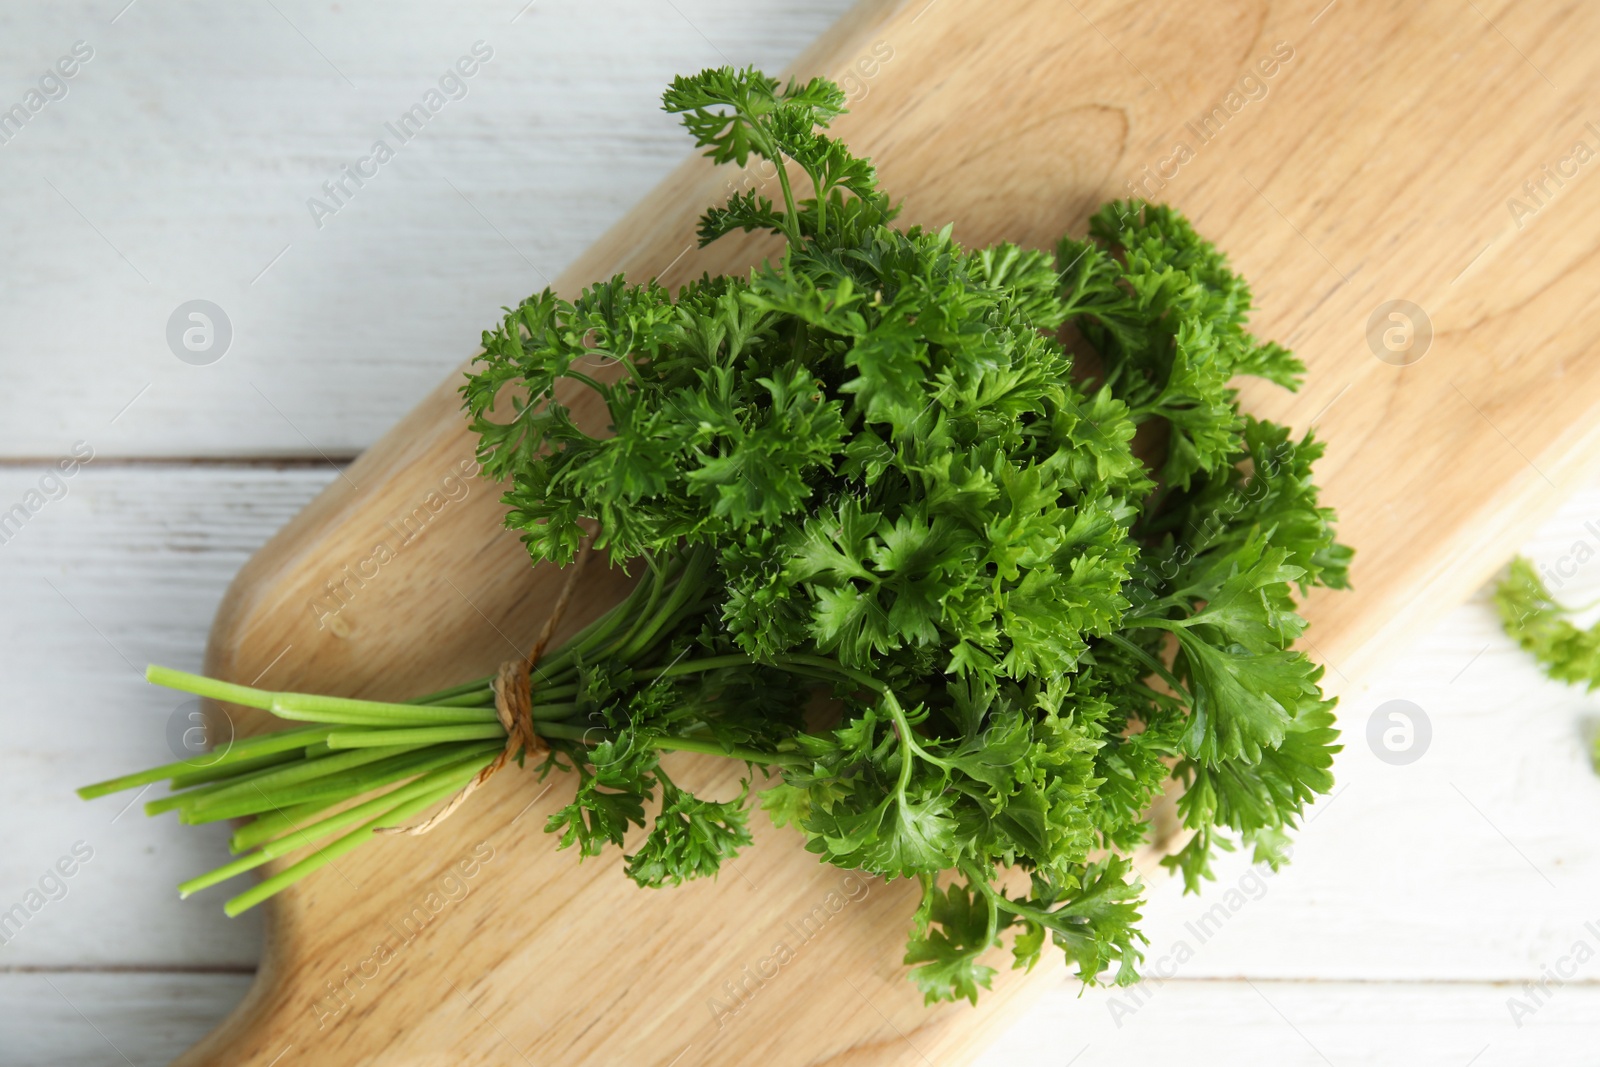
(1340,181)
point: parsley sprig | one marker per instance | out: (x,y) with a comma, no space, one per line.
(1543,626)
(909,477)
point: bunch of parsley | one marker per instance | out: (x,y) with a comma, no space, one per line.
(902,474)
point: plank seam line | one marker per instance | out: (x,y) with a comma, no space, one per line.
(285,462)
(1279,980)
(129,968)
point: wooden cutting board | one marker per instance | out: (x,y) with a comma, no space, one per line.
(1347,156)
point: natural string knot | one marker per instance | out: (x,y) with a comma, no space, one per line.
(513,706)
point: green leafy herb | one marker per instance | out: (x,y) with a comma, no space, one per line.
(900,473)
(1542,625)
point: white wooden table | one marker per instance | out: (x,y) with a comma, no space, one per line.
(176,163)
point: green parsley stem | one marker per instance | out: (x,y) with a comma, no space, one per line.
(238,752)
(415,735)
(246,792)
(428,783)
(896,712)
(283,819)
(717,748)
(1154,664)
(285,878)
(594,735)
(791,225)
(694,666)
(446,695)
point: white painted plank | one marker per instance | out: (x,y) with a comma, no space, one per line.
(1305,1024)
(126,569)
(179,165)
(110,1020)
